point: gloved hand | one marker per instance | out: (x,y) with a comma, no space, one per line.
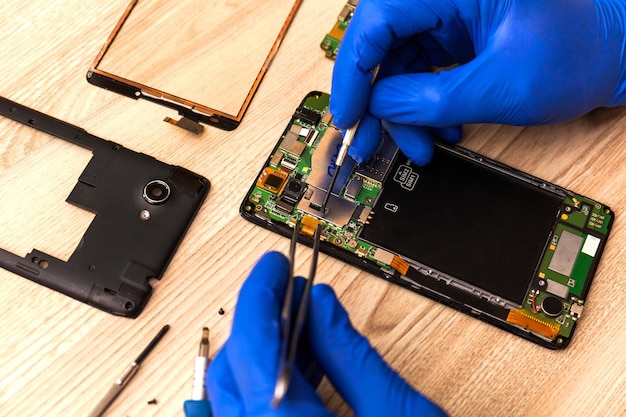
(242,377)
(519,62)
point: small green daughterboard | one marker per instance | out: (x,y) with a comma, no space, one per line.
(332,40)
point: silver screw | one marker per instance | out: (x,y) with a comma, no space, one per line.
(144,215)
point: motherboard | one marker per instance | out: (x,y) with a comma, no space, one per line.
(477,235)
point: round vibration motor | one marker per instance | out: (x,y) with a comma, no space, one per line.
(552,306)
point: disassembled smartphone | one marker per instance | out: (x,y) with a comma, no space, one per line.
(199,41)
(332,40)
(465,230)
(142,209)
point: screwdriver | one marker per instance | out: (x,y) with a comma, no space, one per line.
(199,404)
(343,150)
(128,374)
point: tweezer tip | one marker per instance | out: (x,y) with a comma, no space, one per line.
(325,201)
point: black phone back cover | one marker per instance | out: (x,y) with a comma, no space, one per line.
(142,209)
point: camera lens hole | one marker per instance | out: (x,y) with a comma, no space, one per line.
(156,192)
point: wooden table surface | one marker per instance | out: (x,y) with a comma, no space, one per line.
(58,356)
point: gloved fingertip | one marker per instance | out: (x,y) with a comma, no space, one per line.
(266,281)
(422,155)
(415,142)
(273,259)
(256,322)
(452,134)
(366,139)
(355,154)
(270,272)
(349,96)
(340,118)
(212,376)
(330,325)
(221,386)
(325,299)
(353,366)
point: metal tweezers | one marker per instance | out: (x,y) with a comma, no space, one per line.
(290,329)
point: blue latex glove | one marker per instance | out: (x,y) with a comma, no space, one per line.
(197,408)
(242,377)
(520,62)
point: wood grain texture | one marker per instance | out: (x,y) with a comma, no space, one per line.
(206,52)
(58,356)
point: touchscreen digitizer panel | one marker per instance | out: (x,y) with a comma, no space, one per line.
(494,242)
(193,56)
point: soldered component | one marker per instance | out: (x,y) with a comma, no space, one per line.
(551,306)
(376,169)
(362,214)
(308,116)
(591,246)
(272,180)
(291,143)
(310,137)
(353,188)
(575,310)
(565,254)
(289,163)
(294,191)
(283,207)
(326,119)
(276,158)
(556,288)
(533,300)
(596,221)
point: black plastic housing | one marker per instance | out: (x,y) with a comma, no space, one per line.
(130,240)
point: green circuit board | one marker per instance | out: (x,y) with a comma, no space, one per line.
(290,188)
(332,40)
(295,178)
(557,295)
